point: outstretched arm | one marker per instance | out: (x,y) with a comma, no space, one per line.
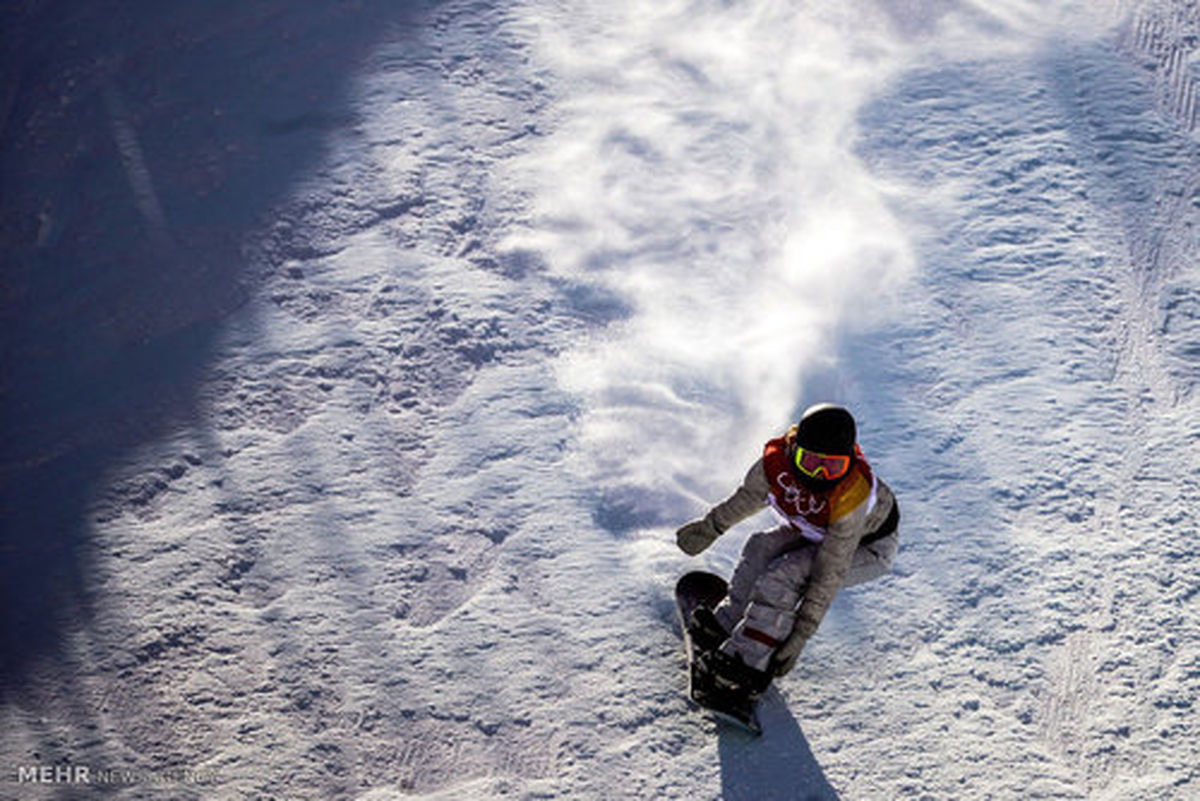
(746,500)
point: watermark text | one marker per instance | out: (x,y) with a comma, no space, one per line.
(90,774)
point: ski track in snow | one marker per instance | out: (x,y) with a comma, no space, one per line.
(552,288)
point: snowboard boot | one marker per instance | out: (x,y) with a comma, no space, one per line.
(707,632)
(729,675)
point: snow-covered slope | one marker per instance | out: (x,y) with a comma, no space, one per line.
(546,291)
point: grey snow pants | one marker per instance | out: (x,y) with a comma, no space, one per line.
(769,582)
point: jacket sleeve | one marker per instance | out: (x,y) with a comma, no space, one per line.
(830,568)
(747,500)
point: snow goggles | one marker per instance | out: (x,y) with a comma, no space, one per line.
(821,465)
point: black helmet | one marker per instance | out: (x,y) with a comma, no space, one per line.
(823,451)
(826,428)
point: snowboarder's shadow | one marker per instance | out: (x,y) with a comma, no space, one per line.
(778,765)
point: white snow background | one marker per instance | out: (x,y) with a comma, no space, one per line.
(540,299)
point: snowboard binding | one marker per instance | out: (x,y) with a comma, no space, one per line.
(729,677)
(706,631)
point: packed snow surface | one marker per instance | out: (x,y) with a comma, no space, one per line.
(451,327)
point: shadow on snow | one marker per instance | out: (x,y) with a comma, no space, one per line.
(142,144)
(778,765)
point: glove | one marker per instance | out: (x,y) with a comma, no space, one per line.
(695,536)
(784,658)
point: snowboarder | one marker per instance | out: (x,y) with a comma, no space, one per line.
(840,528)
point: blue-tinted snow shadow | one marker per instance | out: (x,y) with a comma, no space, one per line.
(141,144)
(779,765)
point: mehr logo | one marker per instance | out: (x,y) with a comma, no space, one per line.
(54,774)
(85,774)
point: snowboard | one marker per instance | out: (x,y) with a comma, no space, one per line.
(707,589)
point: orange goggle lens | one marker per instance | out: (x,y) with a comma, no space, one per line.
(821,465)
